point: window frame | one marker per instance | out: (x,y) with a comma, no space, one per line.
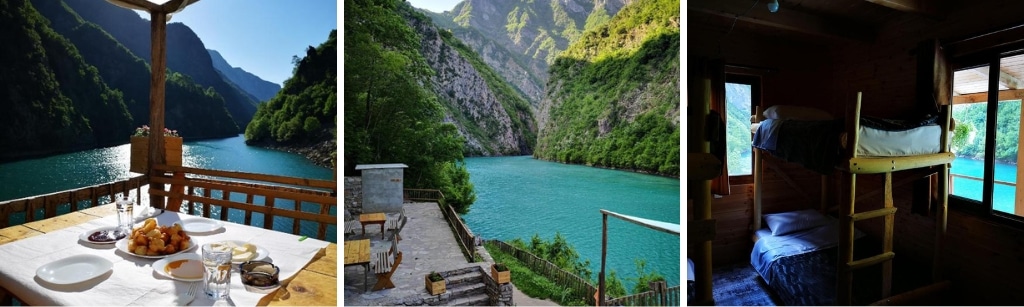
(755,82)
(989,58)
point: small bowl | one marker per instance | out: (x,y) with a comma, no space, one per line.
(259,276)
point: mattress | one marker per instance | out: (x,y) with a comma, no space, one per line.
(881,143)
(801,267)
(816,144)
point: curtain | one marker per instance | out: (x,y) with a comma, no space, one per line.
(707,89)
(934,77)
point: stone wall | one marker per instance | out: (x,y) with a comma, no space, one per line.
(501,295)
(353,197)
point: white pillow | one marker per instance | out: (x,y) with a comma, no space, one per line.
(794,221)
(796,112)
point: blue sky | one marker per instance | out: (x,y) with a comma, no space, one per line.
(260,36)
(436,6)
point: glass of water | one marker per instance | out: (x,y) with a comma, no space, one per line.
(217,270)
(124,217)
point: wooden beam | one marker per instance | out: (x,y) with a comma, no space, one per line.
(786,19)
(891,164)
(924,7)
(983,96)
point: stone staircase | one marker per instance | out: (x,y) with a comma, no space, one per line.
(466,287)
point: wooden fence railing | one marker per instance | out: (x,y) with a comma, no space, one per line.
(422,195)
(578,286)
(199,191)
(658,296)
(86,197)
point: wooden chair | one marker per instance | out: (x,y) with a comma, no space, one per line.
(385,265)
(397,224)
(351,227)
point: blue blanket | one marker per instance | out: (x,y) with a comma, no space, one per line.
(813,144)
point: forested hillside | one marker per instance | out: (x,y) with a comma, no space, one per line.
(303,115)
(521,38)
(53,100)
(493,118)
(186,53)
(969,136)
(195,111)
(389,116)
(613,95)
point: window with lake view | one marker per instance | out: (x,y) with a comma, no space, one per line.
(741,94)
(985,170)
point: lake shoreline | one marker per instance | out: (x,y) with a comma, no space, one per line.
(613,168)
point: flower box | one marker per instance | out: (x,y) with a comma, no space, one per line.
(140,153)
(434,287)
(502,277)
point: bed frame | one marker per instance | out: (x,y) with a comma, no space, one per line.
(850,165)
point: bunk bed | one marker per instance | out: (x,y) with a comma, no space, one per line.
(827,249)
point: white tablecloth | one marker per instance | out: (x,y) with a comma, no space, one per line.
(132,280)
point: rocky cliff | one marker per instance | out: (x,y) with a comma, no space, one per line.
(521,38)
(492,117)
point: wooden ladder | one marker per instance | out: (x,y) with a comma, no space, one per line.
(846,263)
(848,216)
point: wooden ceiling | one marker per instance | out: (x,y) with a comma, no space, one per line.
(856,20)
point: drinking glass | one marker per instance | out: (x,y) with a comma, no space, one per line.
(125,217)
(217,270)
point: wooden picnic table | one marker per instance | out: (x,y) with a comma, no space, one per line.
(357,252)
(373,218)
(315,285)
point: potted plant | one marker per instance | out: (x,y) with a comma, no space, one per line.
(435,283)
(500,273)
(140,149)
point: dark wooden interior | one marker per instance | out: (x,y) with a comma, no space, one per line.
(820,53)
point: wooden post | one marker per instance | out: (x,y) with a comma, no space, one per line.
(158,38)
(604,254)
(890,222)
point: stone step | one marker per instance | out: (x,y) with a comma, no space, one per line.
(473,277)
(467,289)
(475,300)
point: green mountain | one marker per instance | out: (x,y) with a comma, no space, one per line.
(392,114)
(303,115)
(195,111)
(613,95)
(521,38)
(186,53)
(488,112)
(261,90)
(53,100)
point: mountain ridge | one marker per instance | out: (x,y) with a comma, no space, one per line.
(185,52)
(260,89)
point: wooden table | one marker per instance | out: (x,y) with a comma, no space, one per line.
(373,218)
(315,285)
(357,252)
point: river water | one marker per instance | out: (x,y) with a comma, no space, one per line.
(103,165)
(518,197)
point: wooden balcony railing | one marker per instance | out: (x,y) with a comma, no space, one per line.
(74,200)
(302,200)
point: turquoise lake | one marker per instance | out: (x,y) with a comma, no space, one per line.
(518,197)
(103,165)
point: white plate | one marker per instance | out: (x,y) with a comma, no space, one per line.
(122,245)
(183,267)
(261,253)
(85,235)
(200,225)
(74,269)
